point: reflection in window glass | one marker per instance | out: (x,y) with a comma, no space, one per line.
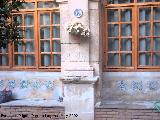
(56,32)
(47,4)
(120,1)
(156,59)
(145,59)
(145,29)
(112,15)
(113,30)
(57,60)
(4,60)
(156,12)
(126,44)
(113,59)
(29,46)
(126,29)
(28,5)
(45,46)
(126,59)
(156,28)
(45,33)
(145,14)
(126,15)
(113,44)
(30,60)
(56,46)
(157,44)
(45,19)
(45,60)
(29,33)
(148,1)
(145,44)
(19,60)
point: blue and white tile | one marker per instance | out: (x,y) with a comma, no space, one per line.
(24,84)
(49,84)
(137,85)
(153,85)
(36,84)
(122,85)
(11,84)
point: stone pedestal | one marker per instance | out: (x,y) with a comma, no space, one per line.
(79,98)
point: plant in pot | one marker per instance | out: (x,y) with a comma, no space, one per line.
(78,29)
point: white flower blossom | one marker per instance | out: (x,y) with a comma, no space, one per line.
(78,29)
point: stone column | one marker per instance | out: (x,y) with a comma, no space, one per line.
(78,74)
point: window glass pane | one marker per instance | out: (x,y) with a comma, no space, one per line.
(113,30)
(126,59)
(113,59)
(57,60)
(30,60)
(126,30)
(4,60)
(156,29)
(156,59)
(145,59)
(112,15)
(145,29)
(56,32)
(45,46)
(4,50)
(120,1)
(46,60)
(145,14)
(56,46)
(113,44)
(148,1)
(126,15)
(145,44)
(156,12)
(45,19)
(29,46)
(18,18)
(47,4)
(45,33)
(28,19)
(126,44)
(28,5)
(19,60)
(56,18)
(29,33)
(157,44)
(18,47)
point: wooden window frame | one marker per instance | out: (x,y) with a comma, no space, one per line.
(135,6)
(37,67)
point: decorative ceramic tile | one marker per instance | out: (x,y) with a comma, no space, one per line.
(49,84)
(36,84)
(1,84)
(137,85)
(24,84)
(153,85)
(11,84)
(60,99)
(122,85)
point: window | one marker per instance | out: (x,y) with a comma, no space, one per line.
(40,22)
(132,35)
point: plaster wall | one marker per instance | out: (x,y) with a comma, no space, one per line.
(31,85)
(131,86)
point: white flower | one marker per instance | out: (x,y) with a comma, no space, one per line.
(78,29)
